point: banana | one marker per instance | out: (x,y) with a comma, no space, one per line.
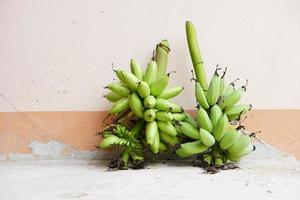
(162,146)
(191,120)
(112,96)
(189,130)
(194,147)
(120,75)
(161,57)
(155,146)
(219,161)
(237,110)
(158,86)
(206,138)
(221,127)
(208,159)
(215,114)
(169,93)
(175,108)
(119,89)
(182,153)
(179,116)
(108,141)
(238,156)
(203,120)
(151,132)
(200,96)
(213,90)
(120,106)
(166,127)
(163,105)
(228,89)
(136,69)
(232,98)
(242,142)
(229,138)
(151,72)
(233,157)
(137,128)
(222,87)
(130,80)
(143,89)
(164,116)
(149,115)
(169,139)
(136,105)
(149,101)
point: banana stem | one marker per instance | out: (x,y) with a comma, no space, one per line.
(196,55)
(161,57)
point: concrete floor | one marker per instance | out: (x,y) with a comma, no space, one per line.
(265,174)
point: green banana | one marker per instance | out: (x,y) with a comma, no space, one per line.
(242,142)
(219,161)
(213,90)
(189,130)
(136,105)
(137,128)
(136,69)
(169,139)
(162,146)
(151,72)
(149,115)
(221,127)
(232,98)
(164,116)
(166,127)
(149,101)
(151,132)
(108,141)
(229,138)
(161,57)
(182,153)
(208,159)
(238,156)
(206,137)
(215,113)
(112,96)
(143,89)
(191,120)
(130,80)
(179,116)
(158,86)
(169,93)
(200,96)
(237,110)
(119,89)
(196,55)
(120,106)
(194,147)
(163,105)
(203,120)
(156,143)
(175,108)
(120,75)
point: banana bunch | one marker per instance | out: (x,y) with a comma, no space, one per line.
(145,94)
(211,132)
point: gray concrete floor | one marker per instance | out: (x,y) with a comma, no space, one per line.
(265,174)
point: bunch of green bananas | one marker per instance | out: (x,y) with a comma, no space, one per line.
(212,132)
(145,94)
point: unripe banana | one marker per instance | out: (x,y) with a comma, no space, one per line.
(191,120)
(229,138)
(137,128)
(108,141)
(119,89)
(179,116)
(233,158)
(228,89)
(174,108)
(120,75)
(219,161)
(200,96)
(149,101)
(112,96)
(208,159)
(130,80)
(203,120)
(169,93)
(162,146)
(221,127)
(136,105)
(237,110)
(222,87)
(241,143)
(164,116)
(166,127)
(155,146)
(243,152)
(136,69)
(169,139)
(158,86)
(189,130)
(143,89)
(232,98)
(194,147)
(215,114)
(161,57)
(213,90)
(182,153)
(206,137)
(149,115)
(150,74)
(151,132)
(163,105)
(120,106)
